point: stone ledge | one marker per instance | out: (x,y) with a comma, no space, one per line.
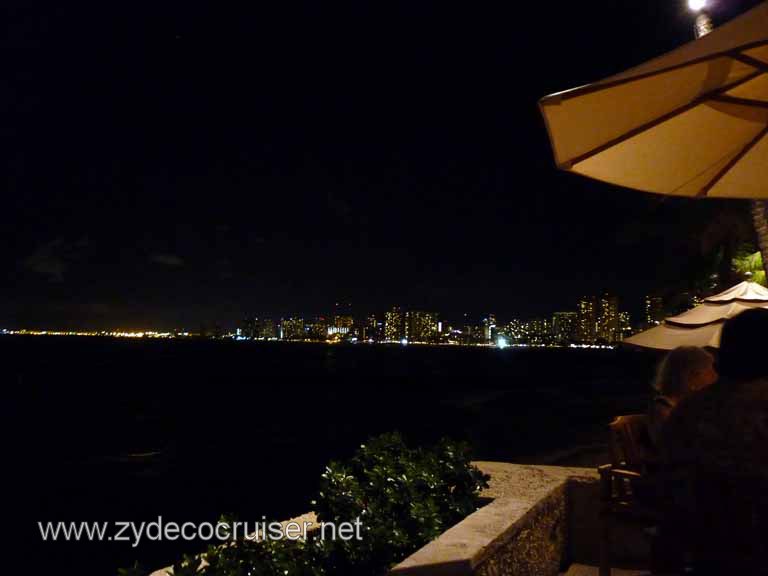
(526,520)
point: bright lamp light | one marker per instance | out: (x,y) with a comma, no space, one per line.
(697,5)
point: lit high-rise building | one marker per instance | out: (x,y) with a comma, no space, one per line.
(394,325)
(421,326)
(537,332)
(373,329)
(587,320)
(654,310)
(341,325)
(514,330)
(565,327)
(489,324)
(292,329)
(608,320)
(249,327)
(317,329)
(260,328)
(469,334)
(625,325)
(267,329)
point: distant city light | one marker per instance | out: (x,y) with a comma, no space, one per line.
(501,342)
(113,334)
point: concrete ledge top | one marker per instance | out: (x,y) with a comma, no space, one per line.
(522,480)
(516,490)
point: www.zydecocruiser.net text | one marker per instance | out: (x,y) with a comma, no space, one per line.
(159,530)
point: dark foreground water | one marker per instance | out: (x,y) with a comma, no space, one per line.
(246,427)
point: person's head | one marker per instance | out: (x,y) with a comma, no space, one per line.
(743,346)
(685,370)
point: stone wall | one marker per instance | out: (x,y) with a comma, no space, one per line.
(538,516)
(536,546)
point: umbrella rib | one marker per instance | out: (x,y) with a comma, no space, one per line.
(739,101)
(731,163)
(750,61)
(736,54)
(668,322)
(656,121)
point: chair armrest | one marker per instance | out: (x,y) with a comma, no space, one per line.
(608,470)
(612,482)
(628,474)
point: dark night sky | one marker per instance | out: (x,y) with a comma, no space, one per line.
(170,164)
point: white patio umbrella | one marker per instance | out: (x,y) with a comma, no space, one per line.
(693,122)
(701,326)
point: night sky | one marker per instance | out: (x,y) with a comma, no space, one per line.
(170,164)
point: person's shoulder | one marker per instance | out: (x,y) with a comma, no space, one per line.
(757,387)
(752,396)
(696,410)
(701,399)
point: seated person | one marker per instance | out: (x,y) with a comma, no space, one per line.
(715,457)
(684,370)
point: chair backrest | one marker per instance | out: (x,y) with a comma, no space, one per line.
(630,442)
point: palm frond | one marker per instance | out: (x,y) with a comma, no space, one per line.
(750,263)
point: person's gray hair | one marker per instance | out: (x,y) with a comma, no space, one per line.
(675,369)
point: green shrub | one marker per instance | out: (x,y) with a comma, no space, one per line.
(403,497)
(261,558)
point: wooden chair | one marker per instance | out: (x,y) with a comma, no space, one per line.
(625,493)
(631,447)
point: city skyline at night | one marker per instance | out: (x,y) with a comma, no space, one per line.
(595,319)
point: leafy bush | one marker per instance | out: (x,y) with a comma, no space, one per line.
(404,498)
(258,558)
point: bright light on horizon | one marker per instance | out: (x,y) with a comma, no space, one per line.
(697,5)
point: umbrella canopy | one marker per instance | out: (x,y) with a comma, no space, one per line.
(693,122)
(701,326)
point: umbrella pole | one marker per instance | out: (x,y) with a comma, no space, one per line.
(703,25)
(759,208)
(760,222)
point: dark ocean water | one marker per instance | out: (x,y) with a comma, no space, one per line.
(246,427)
